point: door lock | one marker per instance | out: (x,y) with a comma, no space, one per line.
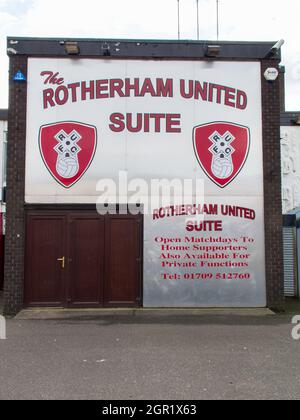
(63,262)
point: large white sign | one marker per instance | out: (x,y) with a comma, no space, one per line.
(90,119)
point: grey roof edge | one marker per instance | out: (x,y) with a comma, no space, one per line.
(134,40)
(140,48)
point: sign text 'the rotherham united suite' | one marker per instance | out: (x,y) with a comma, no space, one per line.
(58,93)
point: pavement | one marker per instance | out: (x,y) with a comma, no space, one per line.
(182,356)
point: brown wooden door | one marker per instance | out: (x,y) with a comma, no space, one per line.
(123,261)
(86,263)
(46,243)
(101,264)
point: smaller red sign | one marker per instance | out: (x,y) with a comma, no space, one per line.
(68,149)
(222,150)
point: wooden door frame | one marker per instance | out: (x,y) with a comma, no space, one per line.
(48,210)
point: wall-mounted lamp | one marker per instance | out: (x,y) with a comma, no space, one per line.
(213,51)
(72,48)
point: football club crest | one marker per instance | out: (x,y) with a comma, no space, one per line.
(222,150)
(68,149)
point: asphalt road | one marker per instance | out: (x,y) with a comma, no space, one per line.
(197,357)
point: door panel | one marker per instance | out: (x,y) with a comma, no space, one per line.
(45,276)
(122,285)
(86,260)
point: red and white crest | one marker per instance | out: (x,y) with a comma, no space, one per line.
(222,150)
(68,149)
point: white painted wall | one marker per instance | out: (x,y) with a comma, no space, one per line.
(290,162)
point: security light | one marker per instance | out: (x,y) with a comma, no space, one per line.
(275,49)
(213,51)
(277,46)
(72,48)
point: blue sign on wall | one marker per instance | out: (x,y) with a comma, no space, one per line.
(19,77)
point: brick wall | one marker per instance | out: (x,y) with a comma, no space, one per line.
(14,264)
(15,231)
(272,186)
